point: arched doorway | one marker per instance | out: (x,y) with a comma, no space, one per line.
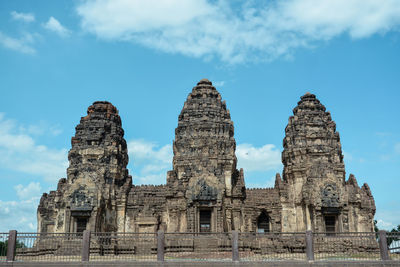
(263,223)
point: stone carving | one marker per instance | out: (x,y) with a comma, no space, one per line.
(330,197)
(80,200)
(204,180)
(204,192)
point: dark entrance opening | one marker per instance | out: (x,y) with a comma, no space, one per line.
(263,223)
(81,224)
(205,220)
(330,224)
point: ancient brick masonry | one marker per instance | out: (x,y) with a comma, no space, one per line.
(95,193)
(314,192)
(205,191)
(204,176)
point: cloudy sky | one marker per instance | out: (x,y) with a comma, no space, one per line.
(57,57)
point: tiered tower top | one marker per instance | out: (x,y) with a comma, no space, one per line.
(312,143)
(204,144)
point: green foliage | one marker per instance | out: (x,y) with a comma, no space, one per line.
(376,229)
(4,245)
(389,239)
(3,248)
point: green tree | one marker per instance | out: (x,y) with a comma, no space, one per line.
(3,248)
(4,245)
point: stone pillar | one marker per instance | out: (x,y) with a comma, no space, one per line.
(309,245)
(160,245)
(86,245)
(12,242)
(383,247)
(235,246)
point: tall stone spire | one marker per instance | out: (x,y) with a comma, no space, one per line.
(99,151)
(315,195)
(204,163)
(95,192)
(204,142)
(312,144)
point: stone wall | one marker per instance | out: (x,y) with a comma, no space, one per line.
(205,188)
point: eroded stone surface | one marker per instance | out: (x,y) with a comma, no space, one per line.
(314,185)
(204,182)
(97,178)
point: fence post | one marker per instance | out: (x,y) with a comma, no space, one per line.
(383,247)
(309,245)
(86,245)
(160,245)
(235,246)
(11,245)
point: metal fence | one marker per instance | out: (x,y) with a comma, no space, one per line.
(272,246)
(123,247)
(48,247)
(3,246)
(346,246)
(198,246)
(232,246)
(393,241)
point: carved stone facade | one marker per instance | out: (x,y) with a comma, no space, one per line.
(204,191)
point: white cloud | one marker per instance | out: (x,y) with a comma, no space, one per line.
(25,17)
(55,26)
(144,150)
(21,215)
(384,225)
(264,158)
(219,83)
(28,192)
(22,45)
(150,162)
(388,217)
(42,128)
(19,152)
(18,215)
(252,31)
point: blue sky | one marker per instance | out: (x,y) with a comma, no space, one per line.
(57,57)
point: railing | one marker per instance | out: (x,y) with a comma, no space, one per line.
(272,246)
(393,241)
(3,246)
(48,247)
(346,246)
(123,247)
(232,246)
(198,246)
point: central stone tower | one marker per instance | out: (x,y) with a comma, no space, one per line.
(205,188)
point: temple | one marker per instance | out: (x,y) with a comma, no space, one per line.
(204,191)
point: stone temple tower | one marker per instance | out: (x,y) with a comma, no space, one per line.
(316,195)
(205,190)
(94,194)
